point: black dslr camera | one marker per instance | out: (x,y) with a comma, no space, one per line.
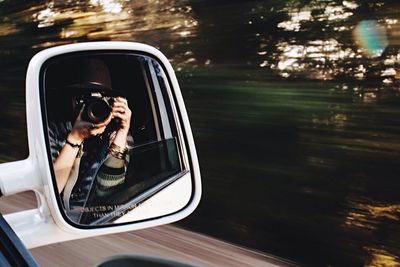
(97,106)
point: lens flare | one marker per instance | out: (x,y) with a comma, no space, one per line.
(371,37)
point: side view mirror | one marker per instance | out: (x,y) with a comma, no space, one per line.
(110,144)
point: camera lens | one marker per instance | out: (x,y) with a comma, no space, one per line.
(98,110)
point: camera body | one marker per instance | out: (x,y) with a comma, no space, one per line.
(97,106)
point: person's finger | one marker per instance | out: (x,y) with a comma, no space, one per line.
(82,109)
(122,117)
(119,115)
(97,131)
(79,117)
(120,104)
(119,109)
(121,99)
(101,130)
(125,115)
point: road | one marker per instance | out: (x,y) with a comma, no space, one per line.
(168,241)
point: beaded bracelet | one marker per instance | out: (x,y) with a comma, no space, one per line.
(117,151)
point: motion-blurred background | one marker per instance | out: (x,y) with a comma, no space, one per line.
(294,107)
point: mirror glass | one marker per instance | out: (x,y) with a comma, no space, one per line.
(112,134)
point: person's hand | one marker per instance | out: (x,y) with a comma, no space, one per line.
(84,129)
(120,110)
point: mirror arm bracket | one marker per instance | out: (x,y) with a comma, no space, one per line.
(19,176)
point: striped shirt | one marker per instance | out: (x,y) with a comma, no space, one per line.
(76,191)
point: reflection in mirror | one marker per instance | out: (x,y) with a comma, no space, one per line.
(112,133)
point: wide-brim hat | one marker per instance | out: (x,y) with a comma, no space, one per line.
(91,75)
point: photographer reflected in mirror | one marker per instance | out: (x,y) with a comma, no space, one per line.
(91,148)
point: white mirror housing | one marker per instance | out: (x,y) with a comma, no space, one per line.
(47,224)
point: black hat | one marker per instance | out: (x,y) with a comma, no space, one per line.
(91,75)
